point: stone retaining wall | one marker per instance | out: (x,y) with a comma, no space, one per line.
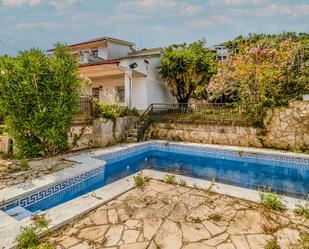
(288,128)
(284,128)
(101,133)
(208,134)
(106,132)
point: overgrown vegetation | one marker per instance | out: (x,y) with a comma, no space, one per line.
(302,210)
(271,200)
(187,68)
(140,180)
(215,217)
(29,236)
(182,183)
(272,244)
(170,179)
(112,111)
(23,165)
(264,71)
(39,99)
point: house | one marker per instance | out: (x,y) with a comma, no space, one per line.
(221,51)
(117,73)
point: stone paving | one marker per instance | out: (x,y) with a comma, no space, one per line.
(36,169)
(172,217)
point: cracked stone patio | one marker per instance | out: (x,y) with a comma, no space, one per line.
(170,216)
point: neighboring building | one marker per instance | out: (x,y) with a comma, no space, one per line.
(116,73)
(221,51)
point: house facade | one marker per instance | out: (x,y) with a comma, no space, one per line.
(117,74)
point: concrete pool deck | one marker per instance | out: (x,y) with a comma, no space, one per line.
(65,213)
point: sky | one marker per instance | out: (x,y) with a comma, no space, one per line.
(147,23)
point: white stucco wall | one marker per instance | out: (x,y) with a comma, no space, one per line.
(107,94)
(149,88)
(116,50)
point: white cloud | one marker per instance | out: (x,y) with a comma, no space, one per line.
(275,10)
(176,6)
(61,5)
(18,3)
(206,23)
(238,2)
(39,25)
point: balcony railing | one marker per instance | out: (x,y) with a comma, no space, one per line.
(87,58)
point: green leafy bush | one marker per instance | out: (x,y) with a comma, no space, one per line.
(39,99)
(170,179)
(271,201)
(112,111)
(140,180)
(272,244)
(29,236)
(302,210)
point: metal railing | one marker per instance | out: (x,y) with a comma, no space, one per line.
(207,113)
(85,107)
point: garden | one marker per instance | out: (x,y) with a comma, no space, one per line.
(259,87)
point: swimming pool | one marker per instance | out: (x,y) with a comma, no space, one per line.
(288,175)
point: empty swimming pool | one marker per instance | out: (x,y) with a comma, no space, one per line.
(288,175)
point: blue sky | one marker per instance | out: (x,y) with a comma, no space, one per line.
(148,23)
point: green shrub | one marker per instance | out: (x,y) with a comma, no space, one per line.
(112,111)
(183,183)
(140,180)
(21,166)
(302,210)
(170,179)
(39,99)
(29,236)
(272,244)
(271,201)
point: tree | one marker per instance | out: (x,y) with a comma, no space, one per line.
(39,98)
(187,68)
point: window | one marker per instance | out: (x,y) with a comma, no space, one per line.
(96,92)
(119,97)
(95,52)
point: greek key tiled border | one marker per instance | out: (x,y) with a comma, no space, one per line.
(193,148)
(40,195)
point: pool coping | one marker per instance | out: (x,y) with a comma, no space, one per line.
(66,212)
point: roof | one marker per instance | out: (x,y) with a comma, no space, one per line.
(145,52)
(115,40)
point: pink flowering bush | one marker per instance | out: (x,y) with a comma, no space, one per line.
(262,74)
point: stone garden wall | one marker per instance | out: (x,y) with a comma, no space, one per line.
(208,134)
(103,132)
(106,132)
(288,128)
(284,128)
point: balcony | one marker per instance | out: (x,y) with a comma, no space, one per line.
(87,58)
